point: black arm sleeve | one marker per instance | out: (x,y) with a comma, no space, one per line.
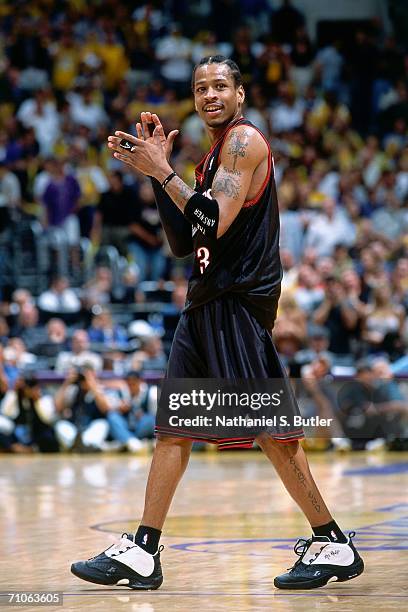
(178,230)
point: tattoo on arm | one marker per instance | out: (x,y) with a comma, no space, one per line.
(227,182)
(179,192)
(238,144)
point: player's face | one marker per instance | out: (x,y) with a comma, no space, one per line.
(217,99)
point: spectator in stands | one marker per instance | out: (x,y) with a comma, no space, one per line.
(86,108)
(134,419)
(174,53)
(82,407)
(321,401)
(372,406)
(287,114)
(60,199)
(93,183)
(114,58)
(291,315)
(59,298)
(80,355)
(17,356)
(329,228)
(65,62)
(40,113)
(328,66)
(317,343)
(113,215)
(257,109)
(27,326)
(104,331)
(388,395)
(56,340)
(151,355)
(26,418)
(301,56)
(10,195)
(146,241)
(19,299)
(339,316)
(98,291)
(309,292)
(383,320)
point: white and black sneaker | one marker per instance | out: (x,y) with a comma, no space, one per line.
(321,561)
(123,564)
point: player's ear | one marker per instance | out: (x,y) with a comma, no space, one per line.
(241,93)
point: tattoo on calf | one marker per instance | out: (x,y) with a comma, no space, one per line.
(227,182)
(314,501)
(238,144)
(298,472)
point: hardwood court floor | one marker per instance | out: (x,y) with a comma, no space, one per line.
(231,529)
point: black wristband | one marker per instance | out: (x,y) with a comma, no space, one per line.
(168,179)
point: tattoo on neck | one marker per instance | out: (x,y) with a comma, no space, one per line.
(237,145)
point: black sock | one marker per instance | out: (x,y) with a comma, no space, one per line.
(148,538)
(330,530)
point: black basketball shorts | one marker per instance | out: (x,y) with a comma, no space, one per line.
(222,339)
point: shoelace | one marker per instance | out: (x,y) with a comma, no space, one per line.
(300,549)
(123,545)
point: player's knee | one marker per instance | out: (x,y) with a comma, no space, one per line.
(173,441)
(267,442)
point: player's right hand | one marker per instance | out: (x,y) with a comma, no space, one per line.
(144,132)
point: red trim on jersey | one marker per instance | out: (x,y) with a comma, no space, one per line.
(258,196)
(201,164)
(297,434)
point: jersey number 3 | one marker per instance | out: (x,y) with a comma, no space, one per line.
(203,256)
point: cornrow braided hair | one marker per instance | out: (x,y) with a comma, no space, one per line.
(219,59)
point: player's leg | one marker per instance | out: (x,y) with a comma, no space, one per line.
(329,555)
(292,466)
(135,560)
(168,465)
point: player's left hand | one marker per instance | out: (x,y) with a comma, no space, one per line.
(149,158)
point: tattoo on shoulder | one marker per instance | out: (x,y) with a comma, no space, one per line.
(238,144)
(227,182)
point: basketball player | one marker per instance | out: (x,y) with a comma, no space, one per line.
(230,221)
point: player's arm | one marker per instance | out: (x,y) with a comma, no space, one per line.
(241,154)
(243,151)
(175,225)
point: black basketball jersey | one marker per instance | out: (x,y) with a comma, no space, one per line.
(245,260)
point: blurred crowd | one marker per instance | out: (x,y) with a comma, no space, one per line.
(336,113)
